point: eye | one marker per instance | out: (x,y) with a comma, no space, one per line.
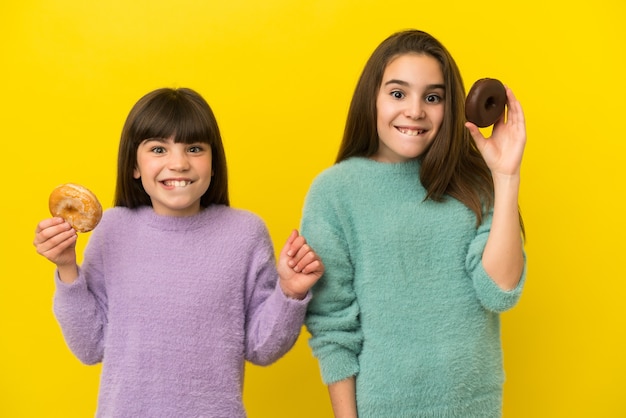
(194,149)
(157,150)
(433,98)
(397,94)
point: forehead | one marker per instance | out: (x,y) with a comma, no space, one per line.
(413,67)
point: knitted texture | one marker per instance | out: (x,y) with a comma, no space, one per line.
(404,304)
(173,307)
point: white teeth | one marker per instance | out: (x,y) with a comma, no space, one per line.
(411,132)
(176,183)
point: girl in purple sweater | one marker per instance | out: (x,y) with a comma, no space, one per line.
(177,290)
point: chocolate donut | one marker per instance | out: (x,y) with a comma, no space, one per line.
(77,205)
(485,102)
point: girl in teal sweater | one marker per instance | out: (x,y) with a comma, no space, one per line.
(419,229)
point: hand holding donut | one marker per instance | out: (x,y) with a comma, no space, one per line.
(74,209)
(504,149)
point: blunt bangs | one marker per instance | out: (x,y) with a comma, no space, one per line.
(178,115)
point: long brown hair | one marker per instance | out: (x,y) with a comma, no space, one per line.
(452,165)
(163,113)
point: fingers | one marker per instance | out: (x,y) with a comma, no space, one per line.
(290,248)
(309,263)
(473,129)
(46,223)
(301,257)
(515,114)
(516,123)
(299,267)
(479,139)
(49,229)
(53,236)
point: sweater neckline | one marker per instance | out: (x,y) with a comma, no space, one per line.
(407,167)
(175,223)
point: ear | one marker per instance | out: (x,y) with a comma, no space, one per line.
(136,173)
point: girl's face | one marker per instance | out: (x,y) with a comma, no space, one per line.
(175,175)
(409,106)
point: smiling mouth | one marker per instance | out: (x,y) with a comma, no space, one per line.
(411,131)
(177,183)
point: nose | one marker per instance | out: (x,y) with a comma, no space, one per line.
(415,109)
(178,161)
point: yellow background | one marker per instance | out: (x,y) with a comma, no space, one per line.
(279,75)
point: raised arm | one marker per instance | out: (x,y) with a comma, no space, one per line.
(79,307)
(503,255)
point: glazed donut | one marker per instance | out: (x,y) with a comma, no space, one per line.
(76,205)
(485,102)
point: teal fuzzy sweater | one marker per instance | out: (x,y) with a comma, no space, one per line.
(405,304)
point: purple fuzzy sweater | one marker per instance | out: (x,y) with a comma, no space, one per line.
(173,307)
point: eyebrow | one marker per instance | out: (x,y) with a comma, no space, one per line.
(156,139)
(406,84)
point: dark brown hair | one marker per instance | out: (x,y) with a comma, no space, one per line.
(163,113)
(452,165)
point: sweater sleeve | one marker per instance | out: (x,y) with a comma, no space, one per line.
(80,307)
(273,321)
(489,293)
(333,314)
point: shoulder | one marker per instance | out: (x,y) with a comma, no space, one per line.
(116,224)
(350,167)
(236,222)
(117,213)
(241,231)
(116,217)
(234,216)
(334,194)
(339,177)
